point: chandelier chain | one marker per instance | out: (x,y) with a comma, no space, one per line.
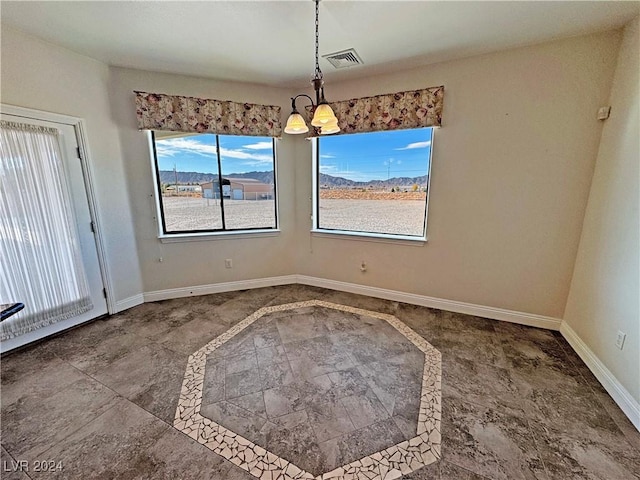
(318,72)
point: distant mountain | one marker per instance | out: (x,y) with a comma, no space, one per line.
(168,176)
(326,181)
(329,181)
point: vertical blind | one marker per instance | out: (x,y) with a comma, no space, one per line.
(40,259)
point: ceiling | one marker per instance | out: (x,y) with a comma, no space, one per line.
(272,42)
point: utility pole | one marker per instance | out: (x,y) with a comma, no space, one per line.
(175,174)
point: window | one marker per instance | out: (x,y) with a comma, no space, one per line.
(214,183)
(374,183)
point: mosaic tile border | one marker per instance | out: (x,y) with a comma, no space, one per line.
(388,464)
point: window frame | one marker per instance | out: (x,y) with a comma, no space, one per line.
(318,231)
(206,234)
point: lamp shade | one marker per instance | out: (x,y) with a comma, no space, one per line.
(330,127)
(323,115)
(296,124)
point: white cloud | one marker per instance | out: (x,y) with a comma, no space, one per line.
(176,146)
(239,154)
(328,168)
(326,155)
(259,146)
(411,146)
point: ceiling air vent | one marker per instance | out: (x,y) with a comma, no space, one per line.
(345,58)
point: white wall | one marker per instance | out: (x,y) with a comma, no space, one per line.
(41,76)
(512,166)
(199,263)
(605,290)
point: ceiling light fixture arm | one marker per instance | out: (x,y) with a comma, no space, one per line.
(293,102)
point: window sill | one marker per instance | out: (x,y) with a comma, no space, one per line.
(201,237)
(370,237)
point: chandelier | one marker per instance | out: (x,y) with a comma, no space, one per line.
(323,116)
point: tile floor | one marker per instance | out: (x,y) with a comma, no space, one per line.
(316,389)
(100,400)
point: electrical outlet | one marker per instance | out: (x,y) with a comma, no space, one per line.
(603,113)
(620,339)
(228,263)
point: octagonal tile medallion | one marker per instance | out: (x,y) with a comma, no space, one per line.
(316,390)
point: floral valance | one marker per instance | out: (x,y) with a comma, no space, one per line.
(393,111)
(174,113)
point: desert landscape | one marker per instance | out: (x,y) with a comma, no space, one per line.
(364,194)
(400,213)
(196,213)
(375,211)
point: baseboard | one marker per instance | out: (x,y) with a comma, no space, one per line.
(127,303)
(522,318)
(512,316)
(156,295)
(620,395)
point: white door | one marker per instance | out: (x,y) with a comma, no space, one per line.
(76,181)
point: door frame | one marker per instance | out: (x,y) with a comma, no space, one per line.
(80,129)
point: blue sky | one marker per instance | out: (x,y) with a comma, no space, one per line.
(369,156)
(197,153)
(378,155)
